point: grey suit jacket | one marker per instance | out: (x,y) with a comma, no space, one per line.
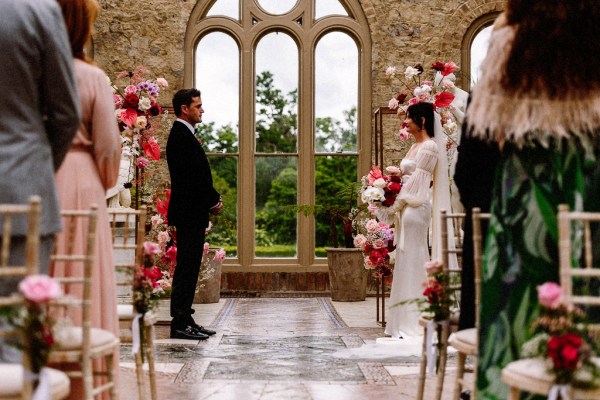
(39,106)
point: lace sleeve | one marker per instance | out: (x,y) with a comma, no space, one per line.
(416,190)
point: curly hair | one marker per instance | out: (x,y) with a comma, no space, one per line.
(555,47)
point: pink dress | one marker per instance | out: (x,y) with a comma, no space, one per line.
(89,169)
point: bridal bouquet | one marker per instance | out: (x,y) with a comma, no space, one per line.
(379,189)
(562,338)
(377,245)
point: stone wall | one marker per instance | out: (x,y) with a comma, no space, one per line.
(404,32)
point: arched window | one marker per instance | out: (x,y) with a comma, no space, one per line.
(474,47)
(287,97)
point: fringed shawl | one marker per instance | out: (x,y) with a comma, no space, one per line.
(494,114)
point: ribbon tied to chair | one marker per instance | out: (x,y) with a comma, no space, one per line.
(432,350)
(135,333)
(43,390)
(559,391)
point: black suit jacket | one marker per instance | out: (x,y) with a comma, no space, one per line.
(192,191)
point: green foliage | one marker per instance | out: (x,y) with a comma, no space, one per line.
(333,136)
(276,119)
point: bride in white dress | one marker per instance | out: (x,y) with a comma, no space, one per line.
(411,214)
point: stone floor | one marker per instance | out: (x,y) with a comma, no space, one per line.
(281,348)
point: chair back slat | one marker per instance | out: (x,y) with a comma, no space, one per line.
(576,256)
(75,252)
(10,214)
(451,246)
(127,231)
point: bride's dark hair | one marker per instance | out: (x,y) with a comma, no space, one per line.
(422,110)
(555,49)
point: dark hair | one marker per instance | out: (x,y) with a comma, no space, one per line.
(79,18)
(555,47)
(422,110)
(184,97)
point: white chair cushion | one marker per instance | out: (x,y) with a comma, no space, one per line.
(531,375)
(12,381)
(467,336)
(125,311)
(71,338)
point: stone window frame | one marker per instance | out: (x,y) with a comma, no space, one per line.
(476,26)
(246,32)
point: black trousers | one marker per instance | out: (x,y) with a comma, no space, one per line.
(190,245)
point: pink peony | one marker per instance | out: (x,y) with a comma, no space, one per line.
(550,295)
(40,289)
(379,243)
(151,248)
(392,170)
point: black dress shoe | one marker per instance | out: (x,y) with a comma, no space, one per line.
(465,395)
(187,332)
(202,329)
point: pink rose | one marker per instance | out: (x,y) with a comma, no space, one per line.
(403,134)
(368,263)
(130,89)
(172,253)
(151,248)
(142,162)
(219,255)
(379,243)
(360,240)
(372,208)
(393,104)
(372,226)
(206,248)
(392,170)
(550,295)
(433,267)
(40,289)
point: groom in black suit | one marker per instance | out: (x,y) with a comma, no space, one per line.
(193,198)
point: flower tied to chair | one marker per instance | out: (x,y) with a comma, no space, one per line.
(146,290)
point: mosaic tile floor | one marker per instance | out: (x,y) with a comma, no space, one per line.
(280,348)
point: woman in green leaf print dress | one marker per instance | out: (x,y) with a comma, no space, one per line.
(539,99)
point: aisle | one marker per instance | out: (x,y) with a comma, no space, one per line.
(281,348)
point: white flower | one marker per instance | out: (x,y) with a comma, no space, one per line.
(162,82)
(393,104)
(163,237)
(411,72)
(372,194)
(140,122)
(156,220)
(379,183)
(144,103)
(447,83)
(390,72)
(450,127)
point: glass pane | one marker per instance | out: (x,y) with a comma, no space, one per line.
(217,77)
(276,212)
(335,195)
(276,94)
(478,52)
(224,232)
(336,93)
(324,8)
(277,6)
(227,8)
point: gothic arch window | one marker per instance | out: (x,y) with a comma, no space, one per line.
(287,96)
(474,47)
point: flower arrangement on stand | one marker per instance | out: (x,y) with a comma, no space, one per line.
(136,112)
(563,340)
(377,245)
(35,321)
(437,90)
(165,237)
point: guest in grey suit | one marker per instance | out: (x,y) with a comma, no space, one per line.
(40,113)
